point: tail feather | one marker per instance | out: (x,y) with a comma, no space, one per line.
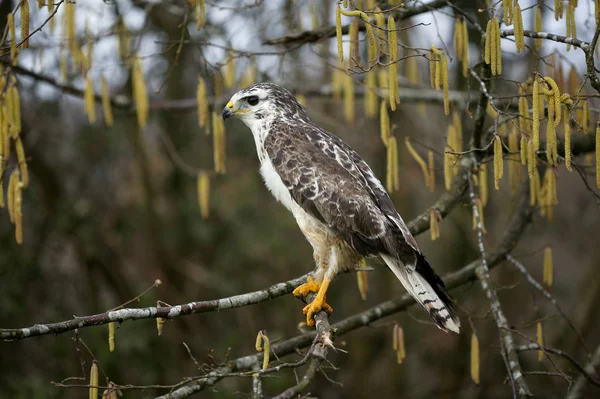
(428,290)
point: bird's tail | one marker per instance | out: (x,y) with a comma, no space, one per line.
(428,289)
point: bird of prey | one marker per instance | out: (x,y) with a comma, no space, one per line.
(339,205)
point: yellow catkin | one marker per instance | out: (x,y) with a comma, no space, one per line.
(90,105)
(438,68)
(93,393)
(69,25)
(390,165)
(381,29)
(551,145)
(266,348)
(22,162)
(567,128)
(494,46)
(384,121)
(140,93)
(200,14)
(401,352)
(533,191)
(498,162)
(25,23)
(483,184)
(14,52)
(519,37)
(363,283)
(160,323)
(507,12)
(445,84)
(432,66)
(338,33)
(538,26)
(353,36)
(431,168)
(396,174)
(413,153)
(536,116)
(523,148)
(553,95)
(5,132)
(465,51)
(531,158)
(12,188)
(348,98)
(337,83)
(258,345)
(571,26)
(598,155)
(524,123)
(123,36)
(458,38)
(16,111)
(18,201)
(540,340)
(218,143)
(558,9)
(106,105)
(51,7)
(498,47)
(229,79)
(395,337)
(202,100)
(371,95)
(372,50)
(393,61)
(488,43)
(111,336)
(448,168)
(458,130)
(203,186)
(474,358)
(434,226)
(548,267)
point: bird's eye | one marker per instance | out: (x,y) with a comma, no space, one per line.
(252,100)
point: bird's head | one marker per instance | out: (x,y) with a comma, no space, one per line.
(263,101)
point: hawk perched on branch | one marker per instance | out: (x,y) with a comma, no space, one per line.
(339,204)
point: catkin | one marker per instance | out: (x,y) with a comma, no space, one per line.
(567,127)
(106,105)
(498,162)
(160,323)
(536,115)
(140,93)
(123,36)
(474,358)
(111,336)
(349,98)
(203,186)
(14,52)
(523,153)
(371,95)
(90,106)
(413,153)
(531,158)
(25,23)
(483,184)
(353,34)
(488,43)
(445,84)
(458,38)
(538,26)
(398,338)
(393,61)
(465,51)
(434,227)
(22,162)
(448,175)
(431,171)
(524,124)
(218,143)
(16,111)
(390,167)
(363,283)
(432,67)
(93,393)
(558,9)
(540,340)
(338,33)
(548,267)
(570,20)
(585,117)
(200,14)
(69,23)
(202,106)
(513,166)
(384,123)
(13,181)
(519,36)
(553,95)
(395,172)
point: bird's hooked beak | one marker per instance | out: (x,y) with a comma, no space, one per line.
(228,110)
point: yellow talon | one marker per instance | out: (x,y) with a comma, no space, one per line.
(318,304)
(311,285)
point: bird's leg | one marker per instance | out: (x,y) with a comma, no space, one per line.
(318,303)
(311,285)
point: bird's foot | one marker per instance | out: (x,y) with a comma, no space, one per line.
(315,307)
(311,285)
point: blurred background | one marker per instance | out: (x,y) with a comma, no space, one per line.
(108,210)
